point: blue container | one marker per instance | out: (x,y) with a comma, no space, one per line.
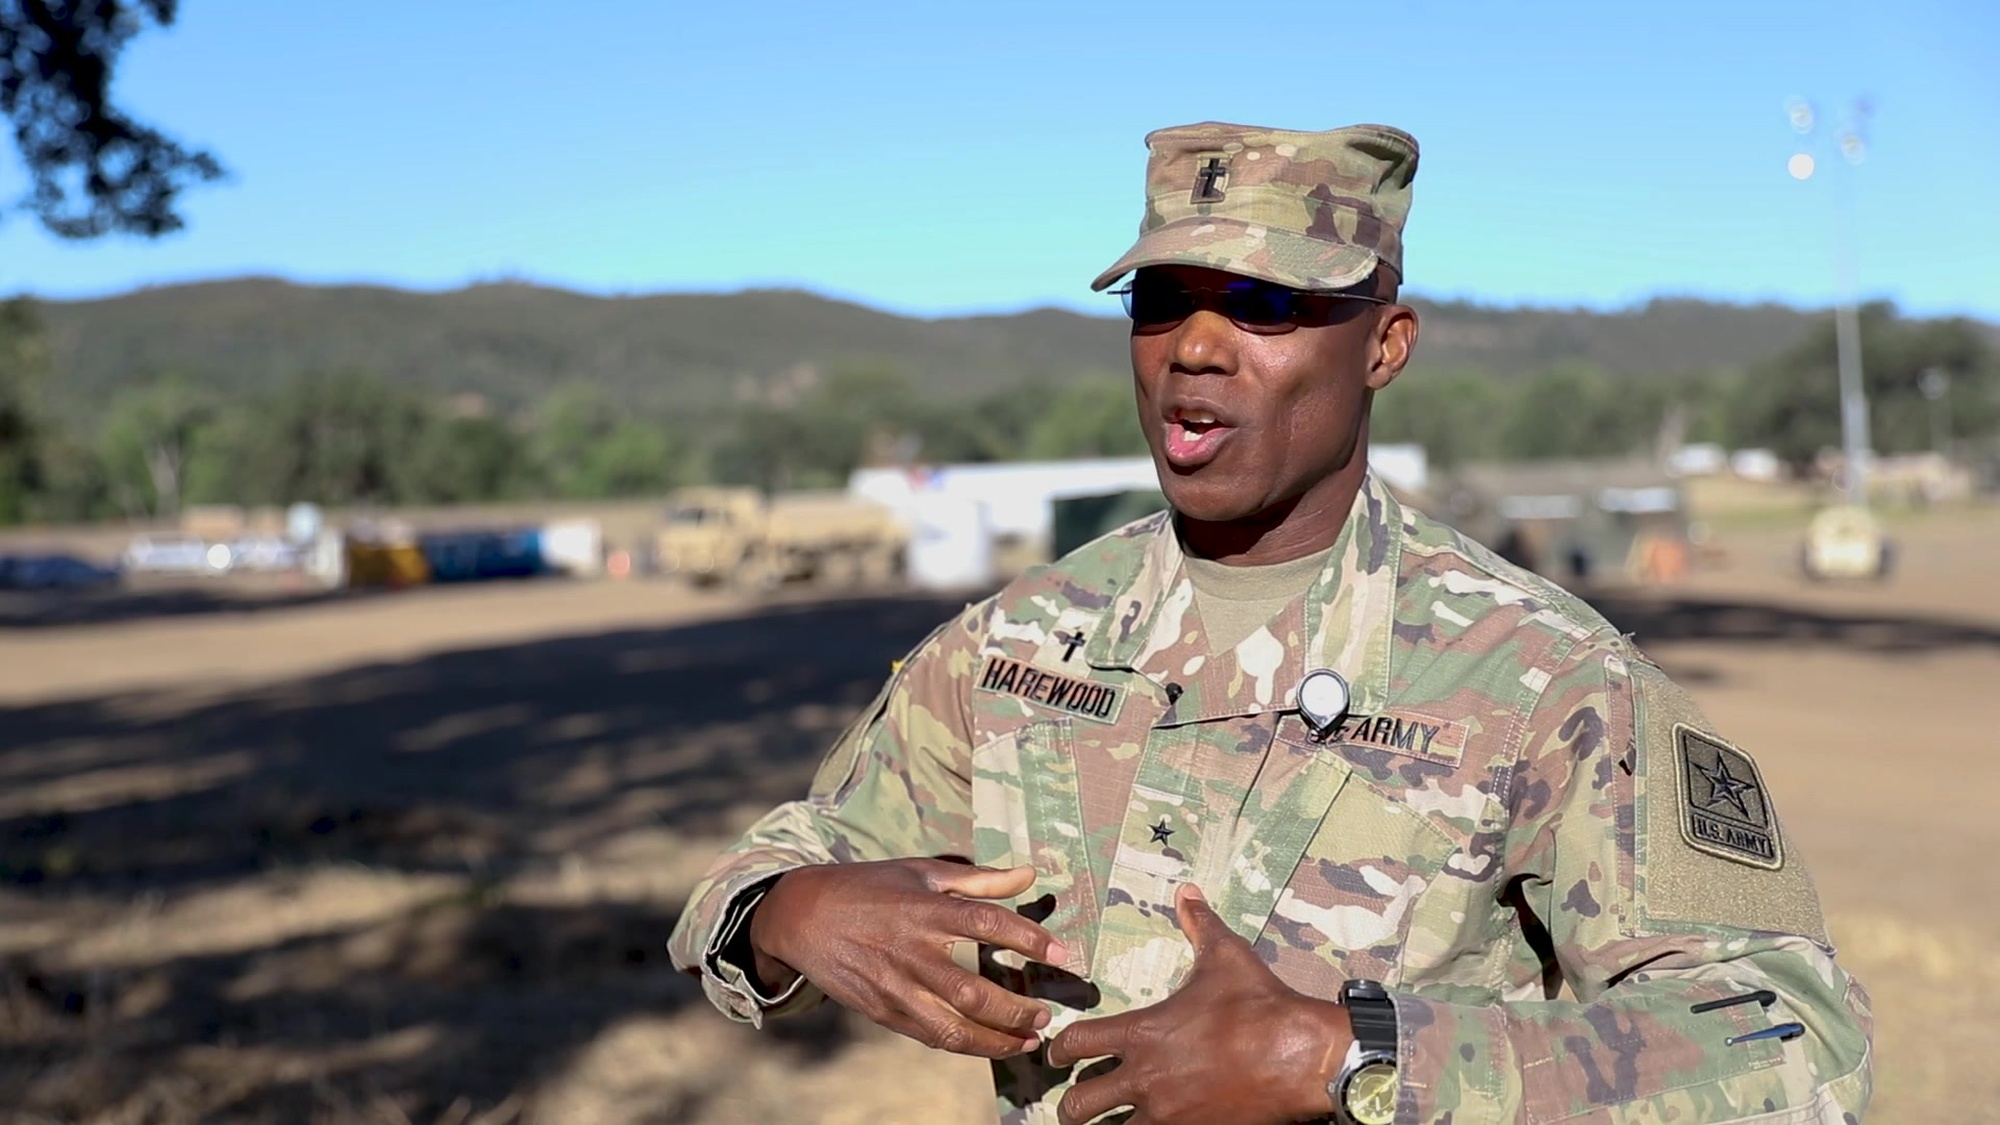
(475,556)
(52,572)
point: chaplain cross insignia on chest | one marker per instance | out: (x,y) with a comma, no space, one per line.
(1071,642)
(1161,831)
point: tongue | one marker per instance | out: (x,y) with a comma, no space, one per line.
(1192,440)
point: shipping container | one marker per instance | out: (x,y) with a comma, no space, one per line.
(476,556)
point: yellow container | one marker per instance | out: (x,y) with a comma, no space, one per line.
(371,564)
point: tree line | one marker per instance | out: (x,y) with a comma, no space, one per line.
(1789,404)
(346,437)
(350,437)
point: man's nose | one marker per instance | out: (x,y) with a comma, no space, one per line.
(1205,343)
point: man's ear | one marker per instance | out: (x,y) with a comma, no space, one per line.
(1395,341)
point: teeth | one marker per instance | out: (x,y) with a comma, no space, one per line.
(1199,418)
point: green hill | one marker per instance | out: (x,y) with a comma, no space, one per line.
(511,342)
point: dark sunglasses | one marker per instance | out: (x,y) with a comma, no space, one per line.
(1154,301)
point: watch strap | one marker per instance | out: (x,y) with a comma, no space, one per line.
(1374,1023)
(1371,1014)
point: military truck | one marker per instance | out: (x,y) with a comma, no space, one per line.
(1846,541)
(741,537)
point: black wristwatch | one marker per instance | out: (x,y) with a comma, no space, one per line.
(1364,1092)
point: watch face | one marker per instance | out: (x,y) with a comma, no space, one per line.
(1371,1094)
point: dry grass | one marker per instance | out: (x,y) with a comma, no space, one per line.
(1936,989)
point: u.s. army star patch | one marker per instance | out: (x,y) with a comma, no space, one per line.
(1724,810)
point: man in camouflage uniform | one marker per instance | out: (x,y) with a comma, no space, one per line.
(1576,895)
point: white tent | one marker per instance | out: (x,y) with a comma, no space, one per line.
(1018,498)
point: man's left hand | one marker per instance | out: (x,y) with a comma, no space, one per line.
(1234,1046)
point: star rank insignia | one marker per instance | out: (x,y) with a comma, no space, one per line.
(1724,811)
(1161,831)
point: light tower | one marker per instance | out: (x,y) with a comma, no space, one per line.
(1850,142)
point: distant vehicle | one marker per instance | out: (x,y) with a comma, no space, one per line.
(738,536)
(1846,542)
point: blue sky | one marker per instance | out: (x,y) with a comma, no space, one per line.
(944,158)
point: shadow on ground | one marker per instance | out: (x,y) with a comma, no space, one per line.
(1655,617)
(45,609)
(432,783)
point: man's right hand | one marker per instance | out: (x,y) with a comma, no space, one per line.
(877,938)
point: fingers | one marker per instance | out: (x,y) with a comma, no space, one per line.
(982,1001)
(990,924)
(915,997)
(929,1020)
(979,882)
(1086,1101)
(1090,1039)
(1204,928)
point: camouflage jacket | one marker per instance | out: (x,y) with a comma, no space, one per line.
(1523,828)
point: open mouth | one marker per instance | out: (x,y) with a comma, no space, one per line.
(1194,437)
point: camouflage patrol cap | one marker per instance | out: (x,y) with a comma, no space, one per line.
(1305,210)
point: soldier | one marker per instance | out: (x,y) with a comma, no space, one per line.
(1291,801)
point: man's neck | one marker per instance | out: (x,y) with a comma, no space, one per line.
(1305,525)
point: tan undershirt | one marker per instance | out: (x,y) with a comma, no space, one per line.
(1235,600)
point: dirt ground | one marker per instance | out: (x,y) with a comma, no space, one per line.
(279,856)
